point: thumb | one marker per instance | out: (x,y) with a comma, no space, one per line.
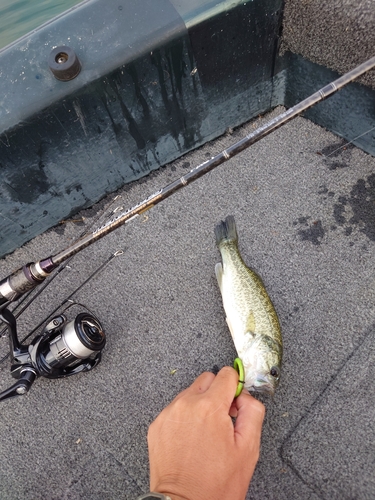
(250,416)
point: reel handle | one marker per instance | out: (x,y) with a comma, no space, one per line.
(21,387)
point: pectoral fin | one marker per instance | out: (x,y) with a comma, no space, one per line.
(219,274)
(230,327)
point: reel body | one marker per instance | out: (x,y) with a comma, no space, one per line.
(63,349)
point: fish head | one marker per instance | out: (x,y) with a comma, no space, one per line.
(262,365)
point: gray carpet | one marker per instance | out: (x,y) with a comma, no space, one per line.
(304,205)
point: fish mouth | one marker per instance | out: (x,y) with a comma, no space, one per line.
(263,386)
(263,389)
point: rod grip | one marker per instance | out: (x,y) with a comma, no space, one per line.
(21,281)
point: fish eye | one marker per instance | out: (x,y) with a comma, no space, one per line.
(275,372)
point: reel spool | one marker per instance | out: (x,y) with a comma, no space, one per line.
(63,349)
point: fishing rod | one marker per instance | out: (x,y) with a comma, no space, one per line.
(68,348)
(32,274)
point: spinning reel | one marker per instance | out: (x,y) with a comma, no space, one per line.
(64,348)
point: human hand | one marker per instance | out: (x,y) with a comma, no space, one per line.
(196,453)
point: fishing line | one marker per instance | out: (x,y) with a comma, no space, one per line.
(350,142)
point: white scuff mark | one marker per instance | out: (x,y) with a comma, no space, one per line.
(62,126)
(7,218)
(6,137)
(193,71)
(78,110)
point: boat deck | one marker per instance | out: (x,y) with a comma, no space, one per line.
(304,202)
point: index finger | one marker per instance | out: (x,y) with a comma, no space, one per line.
(223,387)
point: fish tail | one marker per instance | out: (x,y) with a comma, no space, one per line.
(226,231)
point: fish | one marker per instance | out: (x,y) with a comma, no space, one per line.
(250,314)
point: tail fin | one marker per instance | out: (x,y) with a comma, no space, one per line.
(226,231)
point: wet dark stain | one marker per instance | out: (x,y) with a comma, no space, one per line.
(120,133)
(295,311)
(314,232)
(177,66)
(337,148)
(186,164)
(172,77)
(336,164)
(301,220)
(157,61)
(338,213)
(358,209)
(59,230)
(77,188)
(334,151)
(27,186)
(138,90)
(132,124)
(116,127)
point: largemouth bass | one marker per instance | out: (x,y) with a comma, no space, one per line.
(251,316)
